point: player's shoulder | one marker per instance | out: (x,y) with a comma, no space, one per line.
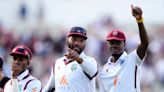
(83,55)
(90,58)
(103,66)
(132,54)
(34,84)
(33,80)
(58,60)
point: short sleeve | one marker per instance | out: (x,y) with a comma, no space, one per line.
(33,86)
(136,58)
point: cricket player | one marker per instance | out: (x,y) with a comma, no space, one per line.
(75,71)
(22,80)
(121,72)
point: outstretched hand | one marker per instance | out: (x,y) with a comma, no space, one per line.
(71,54)
(136,12)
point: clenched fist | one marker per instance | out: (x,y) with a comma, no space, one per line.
(136,12)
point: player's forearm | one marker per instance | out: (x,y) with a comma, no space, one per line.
(142,48)
(143,34)
(89,66)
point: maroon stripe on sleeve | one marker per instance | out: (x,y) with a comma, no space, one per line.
(135,80)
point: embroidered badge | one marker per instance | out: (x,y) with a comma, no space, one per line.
(34,89)
(74,67)
(121,62)
(78,31)
(115,33)
(106,70)
(20,87)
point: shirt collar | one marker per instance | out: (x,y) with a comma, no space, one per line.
(82,54)
(121,58)
(23,74)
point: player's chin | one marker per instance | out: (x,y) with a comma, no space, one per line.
(114,52)
(77,49)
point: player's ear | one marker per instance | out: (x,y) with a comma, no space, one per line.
(28,62)
(124,43)
(67,39)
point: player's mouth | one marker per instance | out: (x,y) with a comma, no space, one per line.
(77,48)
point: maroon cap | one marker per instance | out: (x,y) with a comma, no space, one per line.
(78,31)
(116,35)
(21,50)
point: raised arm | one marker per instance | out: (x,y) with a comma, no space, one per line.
(143,46)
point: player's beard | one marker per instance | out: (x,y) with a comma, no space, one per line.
(78,49)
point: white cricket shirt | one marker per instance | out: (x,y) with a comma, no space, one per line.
(24,83)
(120,76)
(72,77)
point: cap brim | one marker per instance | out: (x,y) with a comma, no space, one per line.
(17,53)
(77,34)
(114,38)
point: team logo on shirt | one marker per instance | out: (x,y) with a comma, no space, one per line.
(20,87)
(74,67)
(34,89)
(63,80)
(115,80)
(121,62)
(106,70)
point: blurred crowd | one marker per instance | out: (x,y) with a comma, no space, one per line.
(47,43)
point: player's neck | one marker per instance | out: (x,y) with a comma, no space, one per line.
(115,57)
